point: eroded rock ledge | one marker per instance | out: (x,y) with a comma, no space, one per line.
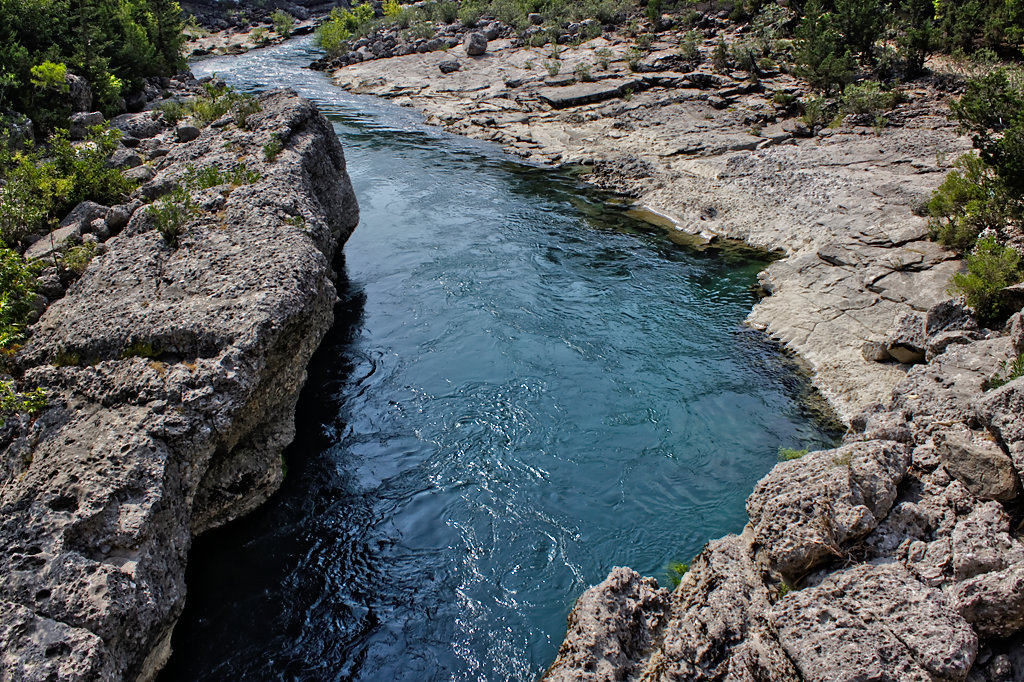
(173,374)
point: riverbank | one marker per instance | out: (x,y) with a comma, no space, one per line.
(172,368)
(898,554)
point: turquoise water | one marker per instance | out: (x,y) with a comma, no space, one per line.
(524,388)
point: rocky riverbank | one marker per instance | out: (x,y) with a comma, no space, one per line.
(894,556)
(172,369)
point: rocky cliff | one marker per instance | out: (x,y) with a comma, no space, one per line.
(172,368)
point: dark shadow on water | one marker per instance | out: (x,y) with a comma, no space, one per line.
(231,567)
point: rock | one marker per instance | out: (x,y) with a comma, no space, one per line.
(475,44)
(875,351)
(50,284)
(1015,330)
(906,341)
(717,626)
(103,491)
(953,314)
(124,158)
(980,465)
(993,602)
(55,243)
(117,218)
(79,92)
(981,543)
(1002,411)
(937,344)
(80,123)
(874,622)
(805,510)
(186,133)
(610,628)
(535,19)
(141,174)
(716,102)
(140,126)
(449,66)
(99,229)
(587,93)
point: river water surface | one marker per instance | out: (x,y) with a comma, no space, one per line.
(524,388)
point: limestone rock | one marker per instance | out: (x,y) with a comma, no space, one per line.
(906,342)
(980,465)
(610,627)
(587,93)
(805,510)
(717,626)
(81,122)
(475,44)
(953,314)
(140,126)
(186,133)
(1002,411)
(79,92)
(1015,330)
(994,602)
(874,622)
(103,491)
(449,66)
(981,543)
(117,218)
(875,351)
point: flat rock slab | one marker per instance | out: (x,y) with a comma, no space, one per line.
(874,622)
(588,93)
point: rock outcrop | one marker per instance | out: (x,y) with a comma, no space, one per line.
(172,369)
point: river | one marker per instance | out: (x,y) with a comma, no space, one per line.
(525,386)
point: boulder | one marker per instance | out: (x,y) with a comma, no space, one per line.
(117,218)
(55,243)
(79,92)
(140,126)
(1015,330)
(535,19)
(124,158)
(874,622)
(980,465)
(993,602)
(936,344)
(588,93)
(875,351)
(80,123)
(981,543)
(475,43)
(949,315)
(186,133)
(1002,411)
(449,66)
(805,510)
(906,341)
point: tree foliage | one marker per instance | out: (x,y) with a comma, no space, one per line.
(114,44)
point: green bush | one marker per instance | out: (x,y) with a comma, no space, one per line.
(40,184)
(342,26)
(991,267)
(868,97)
(171,215)
(17,296)
(284,23)
(970,200)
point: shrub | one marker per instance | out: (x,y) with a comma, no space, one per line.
(970,200)
(284,23)
(77,258)
(40,184)
(342,25)
(720,57)
(272,148)
(823,56)
(171,215)
(868,97)
(688,49)
(553,66)
(259,36)
(990,268)
(17,296)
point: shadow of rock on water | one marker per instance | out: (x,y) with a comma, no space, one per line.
(252,568)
